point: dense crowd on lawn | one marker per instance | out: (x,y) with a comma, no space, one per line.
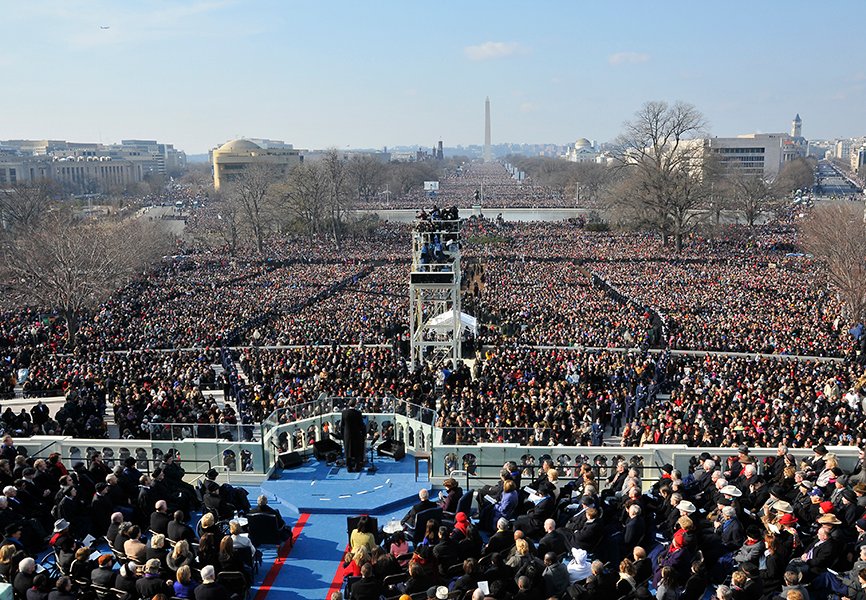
(544,303)
(572,397)
(103,529)
(494,184)
(739,306)
(371,311)
(729,529)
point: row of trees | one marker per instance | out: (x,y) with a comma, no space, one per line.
(314,198)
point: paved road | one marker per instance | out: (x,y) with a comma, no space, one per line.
(831,182)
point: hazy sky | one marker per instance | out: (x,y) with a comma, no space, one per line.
(366,73)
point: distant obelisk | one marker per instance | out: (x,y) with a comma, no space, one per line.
(488,153)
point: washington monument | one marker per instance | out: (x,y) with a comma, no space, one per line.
(488,153)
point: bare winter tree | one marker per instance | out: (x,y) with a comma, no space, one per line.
(660,150)
(339,201)
(221,222)
(22,206)
(836,235)
(251,192)
(366,176)
(751,195)
(72,266)
(303,197)
(797,174)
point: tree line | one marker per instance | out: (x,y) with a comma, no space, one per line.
(317,197)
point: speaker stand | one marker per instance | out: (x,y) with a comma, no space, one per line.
(372,468)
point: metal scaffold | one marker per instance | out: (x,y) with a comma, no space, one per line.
(434,293)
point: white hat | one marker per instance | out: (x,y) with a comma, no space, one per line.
(60,525)
(686,506)
(731,490)
(441,593)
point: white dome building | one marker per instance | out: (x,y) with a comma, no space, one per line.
(582,151)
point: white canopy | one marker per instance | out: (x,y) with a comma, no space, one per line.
(445,320)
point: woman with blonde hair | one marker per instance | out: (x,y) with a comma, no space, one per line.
(180,556)
(184,585)
(353,562)
(830,463)
(156,549)
(521,554)
(626,584)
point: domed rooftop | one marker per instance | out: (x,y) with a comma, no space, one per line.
(583,143)
(239,146)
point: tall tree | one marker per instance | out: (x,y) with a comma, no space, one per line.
(221,222)
(797,174)
(339,203)
(836,235)
(72,266)
(251,191)
(303,197)
(662,153)
(24,205)
(366,176)
(751,195)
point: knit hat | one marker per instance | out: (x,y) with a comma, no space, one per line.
(826,506)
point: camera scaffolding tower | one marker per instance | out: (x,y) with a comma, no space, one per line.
(434,293)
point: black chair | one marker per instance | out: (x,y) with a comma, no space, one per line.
(235,582)
(352,525)
(416,530)
(347,585)
(392,580)
(464,505)
(263,530)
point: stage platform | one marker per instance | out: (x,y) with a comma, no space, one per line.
(318,488)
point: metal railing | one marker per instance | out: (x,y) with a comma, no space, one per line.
(232,432)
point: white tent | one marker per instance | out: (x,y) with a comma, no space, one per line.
(445,320)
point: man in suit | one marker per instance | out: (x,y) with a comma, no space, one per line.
(533,521)
(423,504)
(368,587)
(159,518)
(500,541)
(821,554)
(209,588)
(446,552)
(23,580)
(263,508)
(178,530)
(104,574)
(588,536)
(354,431)
(552,541)
(101,507)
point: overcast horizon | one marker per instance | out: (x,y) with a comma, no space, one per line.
(343,74)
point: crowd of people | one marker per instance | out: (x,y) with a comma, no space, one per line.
(74,531)
(729,528)
(551,304)
(494,184)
